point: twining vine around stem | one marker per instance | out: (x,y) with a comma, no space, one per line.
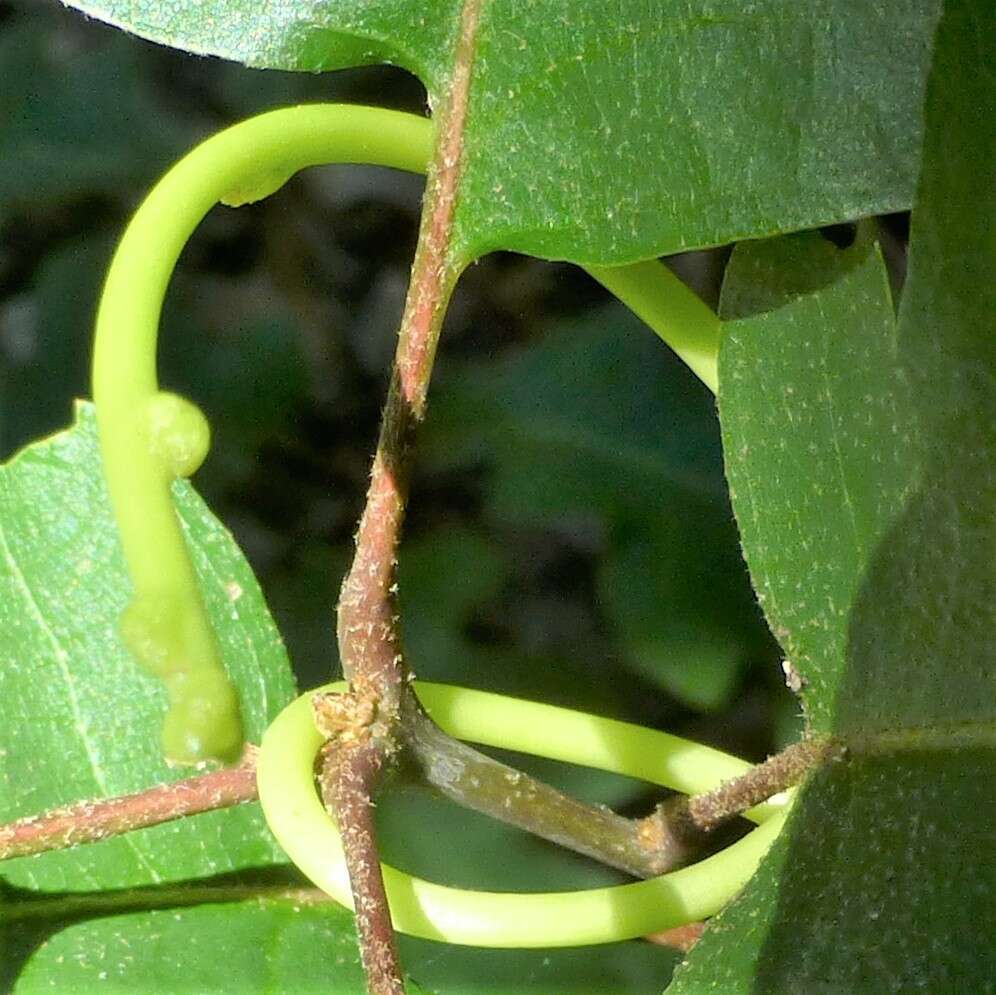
(150,437)
(304,829)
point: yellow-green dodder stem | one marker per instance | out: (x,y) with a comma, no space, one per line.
(294,811)
(149,438)
(685,322)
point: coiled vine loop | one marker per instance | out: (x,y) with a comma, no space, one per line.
(304,829)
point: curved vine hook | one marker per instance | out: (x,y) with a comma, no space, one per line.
(149,437)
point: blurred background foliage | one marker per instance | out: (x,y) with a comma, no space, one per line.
(570,538)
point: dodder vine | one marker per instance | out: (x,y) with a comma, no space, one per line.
(149,438)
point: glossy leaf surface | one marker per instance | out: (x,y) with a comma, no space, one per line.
(273,946)
(608,136)
(880,583)
(79,718)
(263,947)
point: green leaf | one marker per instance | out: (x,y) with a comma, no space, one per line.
(78,718)
(597,428)
(608,136)
(876,563)
(308,36)
(252,948)
(817,425)
(274,946)
(881,882)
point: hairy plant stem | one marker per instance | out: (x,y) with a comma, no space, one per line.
(350,773)
(91,821)
(369,639)
(692,819)
(783,770)
(368,632)
(477,781)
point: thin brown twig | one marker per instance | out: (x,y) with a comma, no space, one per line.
(693,818)
(643,848)
(783,770)
(369,638)
(368,632)
(92,821)
(349,775)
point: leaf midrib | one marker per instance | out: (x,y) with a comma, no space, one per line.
(69,683)
(948,736)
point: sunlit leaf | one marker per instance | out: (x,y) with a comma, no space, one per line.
(868,526)
(607,135)
(80,719)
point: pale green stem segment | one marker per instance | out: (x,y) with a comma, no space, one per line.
(300,823)
(687,324)
(148,437)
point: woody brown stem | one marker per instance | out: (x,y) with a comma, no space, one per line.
(692,819)
(783,770)
(474,780)
(368,631)
(369,640)
(349,776)
(91,821)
